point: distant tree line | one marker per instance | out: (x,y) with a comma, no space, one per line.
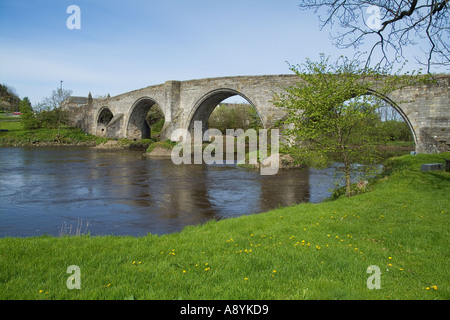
(234,116)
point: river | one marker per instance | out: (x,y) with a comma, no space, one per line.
(73,190)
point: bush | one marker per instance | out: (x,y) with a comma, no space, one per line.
(28,118)
(396,130)
(234,116)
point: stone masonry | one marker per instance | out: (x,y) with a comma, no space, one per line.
(425,108)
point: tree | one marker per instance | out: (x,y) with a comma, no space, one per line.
(52,114)
(9,100)
(28,117)
(330,115)
(394,24)
(234,116)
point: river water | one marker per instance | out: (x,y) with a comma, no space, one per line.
(67,190)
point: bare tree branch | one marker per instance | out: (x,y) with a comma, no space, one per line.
(401,23)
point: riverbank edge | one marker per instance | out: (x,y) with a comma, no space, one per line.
(78,140)
(329,243)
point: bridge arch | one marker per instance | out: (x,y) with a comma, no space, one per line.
(137,126)
(400,111)
(207,103)
(104,117)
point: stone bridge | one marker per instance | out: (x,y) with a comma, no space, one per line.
(425,108)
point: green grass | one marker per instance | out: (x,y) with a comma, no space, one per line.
(17,136)
(307,251)
(11,126)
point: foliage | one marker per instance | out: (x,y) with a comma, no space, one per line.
(234,116)
(9,100)
(52,118)
(51,115)
(331,113)
(28,118)
(396,130)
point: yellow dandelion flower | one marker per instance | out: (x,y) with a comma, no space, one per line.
(246,279)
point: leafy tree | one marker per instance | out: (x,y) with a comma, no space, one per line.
(392,25)
(330,115)
(396,130)
(9,100)
(52,115)
(28,117)
(234,116)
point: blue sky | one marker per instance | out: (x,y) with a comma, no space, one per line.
(126,45)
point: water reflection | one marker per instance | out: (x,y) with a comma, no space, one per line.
(123,193)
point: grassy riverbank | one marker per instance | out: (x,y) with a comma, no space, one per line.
(66,136)
(307,251)
(17,136)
